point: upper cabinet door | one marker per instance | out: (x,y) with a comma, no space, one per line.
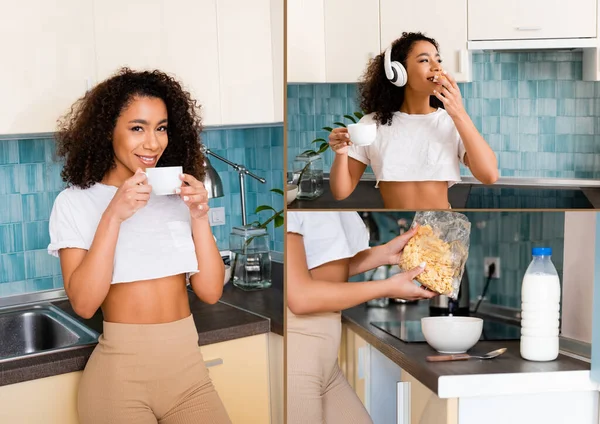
(48,62)
(305,41)
(277,44)
(245,61)
(448,26)
(351,38)
(192,52)
(128,33)
(531,19)
(178,37)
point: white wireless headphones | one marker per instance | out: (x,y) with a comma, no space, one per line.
(394,71)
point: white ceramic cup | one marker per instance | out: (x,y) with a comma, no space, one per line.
(291,193)
(362,134)
(164,180)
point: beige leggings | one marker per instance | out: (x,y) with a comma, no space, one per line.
(148,373)
(317,391)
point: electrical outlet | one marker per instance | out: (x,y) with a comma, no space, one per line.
(487,262)
(216,216)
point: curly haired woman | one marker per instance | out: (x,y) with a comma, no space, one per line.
(131,253)
(423,131)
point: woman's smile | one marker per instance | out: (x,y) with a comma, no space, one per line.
(148,161)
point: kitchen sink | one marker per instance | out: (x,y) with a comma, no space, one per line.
(40,329)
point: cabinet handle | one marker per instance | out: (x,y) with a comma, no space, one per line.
(213,362)
(361,362)
(528,28)
(403,402)
(462,56)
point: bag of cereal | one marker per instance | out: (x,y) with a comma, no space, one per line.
(442,242)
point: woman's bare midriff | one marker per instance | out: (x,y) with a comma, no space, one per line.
(414,195)
(336,271)
(147,302)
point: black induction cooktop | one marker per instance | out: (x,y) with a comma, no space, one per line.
(410,331)
(524,197)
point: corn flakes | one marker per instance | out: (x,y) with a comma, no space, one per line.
(427,247)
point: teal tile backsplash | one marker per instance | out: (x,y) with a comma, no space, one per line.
(511,236)
(534,110)
(30,181)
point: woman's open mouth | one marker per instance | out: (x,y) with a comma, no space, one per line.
(148,160)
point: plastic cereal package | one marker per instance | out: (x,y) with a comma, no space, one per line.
(442,242)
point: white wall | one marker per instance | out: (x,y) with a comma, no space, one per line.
(578,275)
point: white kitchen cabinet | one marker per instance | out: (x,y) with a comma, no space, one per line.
(426,407)
(239,370)
(395,396)
(51,400)
(531,19)
(331,40)
(192,52)
(351,38)
(305,41)
(47,61)
(132,37)
(228,54)
(277,36)
(222,51)
(352,359)
(276,370)
(443,20)
(382,387)
(246,61)
(179,37)
(390,394)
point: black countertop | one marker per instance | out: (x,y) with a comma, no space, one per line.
(469,196)
(265,303)
(238,314)
(366,196)
(411,356)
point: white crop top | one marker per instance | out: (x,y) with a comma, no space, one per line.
(414,148)
(155,242)
(329,236)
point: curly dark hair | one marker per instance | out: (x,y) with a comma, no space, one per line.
(377,94)
(85,133)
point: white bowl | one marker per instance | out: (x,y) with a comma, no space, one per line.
(452,334)
(227,274)
(291,191)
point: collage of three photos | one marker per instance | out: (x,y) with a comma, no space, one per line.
(299,211)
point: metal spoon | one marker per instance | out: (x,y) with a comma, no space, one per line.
(463,356)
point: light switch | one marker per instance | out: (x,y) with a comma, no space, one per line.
(216,216)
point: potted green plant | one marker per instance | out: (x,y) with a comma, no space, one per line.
(310,162)
(277,216)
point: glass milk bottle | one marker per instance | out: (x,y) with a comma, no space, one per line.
(540,308)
